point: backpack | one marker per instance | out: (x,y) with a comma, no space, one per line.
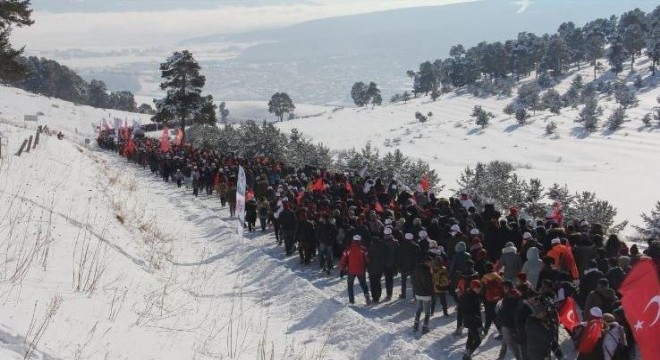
(494,291)
(442,277)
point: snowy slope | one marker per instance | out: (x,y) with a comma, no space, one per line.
(619,167)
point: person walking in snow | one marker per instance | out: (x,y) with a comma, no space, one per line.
(178,177)
(409,254)
(422,282)
(354,264)
(470,307)
(263,210)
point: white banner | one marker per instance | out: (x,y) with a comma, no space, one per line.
(240,201)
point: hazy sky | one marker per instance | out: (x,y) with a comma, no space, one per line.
(141,23)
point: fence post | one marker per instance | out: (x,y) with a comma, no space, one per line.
(20,151)
(36,140)
(27,150)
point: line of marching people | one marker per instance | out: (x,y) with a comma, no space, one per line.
(486,268)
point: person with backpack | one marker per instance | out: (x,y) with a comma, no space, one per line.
(441,279)
(615,342)
(602,297)
(590,335)
(510,261)
(422,282)
(493,293)
(470,307)
(263,210)
(354,264)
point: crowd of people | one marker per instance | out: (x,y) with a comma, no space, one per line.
(498,269)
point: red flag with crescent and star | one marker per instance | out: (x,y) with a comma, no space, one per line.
(568,314)
(641,304)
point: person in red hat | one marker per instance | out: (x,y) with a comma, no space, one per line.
(470,306)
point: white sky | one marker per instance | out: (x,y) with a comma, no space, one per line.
(61,30)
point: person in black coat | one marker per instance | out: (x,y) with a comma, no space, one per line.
(409,253)
(506,317)
(422,282)
(377,258)
(306,238)
(470,307)
(538,332)
(251,214)
(391,255)
(326,235)
(616,274)
(288,224)
(589,281)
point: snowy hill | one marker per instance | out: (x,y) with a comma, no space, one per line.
(618,166)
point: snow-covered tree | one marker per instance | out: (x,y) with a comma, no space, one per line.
(521,116)
(183,83)
(646,120)
(616,119)
(594,42)
(280,104)
(625,96)
(359,94)
(590,114)
(533,203)
(13,13)
(552,101)
(617,54)
(224,112)
(529,96)
(586,206)
(651,228)
(653,38)
(550,128)
(373,93)
(632,30)
(482,117)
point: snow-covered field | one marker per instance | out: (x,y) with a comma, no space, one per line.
(102,260)
(620,166)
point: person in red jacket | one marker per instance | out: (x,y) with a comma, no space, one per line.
(354,264)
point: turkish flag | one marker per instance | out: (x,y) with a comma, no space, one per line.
(179,138)
(379,207)
(318,185)
(165,140)
(641,304)
(425,183)
(568,314)
(556,213)
(348,187)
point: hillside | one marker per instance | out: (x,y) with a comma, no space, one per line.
(618,166)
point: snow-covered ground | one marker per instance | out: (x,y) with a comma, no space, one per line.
(102,260)
(620,166)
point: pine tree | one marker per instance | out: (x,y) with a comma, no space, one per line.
(13,13)
(522,116)
(625,96)
(653,38)
(183,83)
(616,54)
(481,116)
(534,194)
(552,101)
(373,94)
(359,94)
(632,30)
(280,104)
(651,228)
(617,119)
(590,115)
(587,207)
(529,96)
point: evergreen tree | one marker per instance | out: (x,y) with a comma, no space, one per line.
(587,207)
(280,104)
(651,228)
(556,56)
(522,116)
(183,84)
(206,115)
(590,115)
(552,101)
(632,30)
(224,112)
(594,42)
(405,97)
(573,37)
(533,201)
(481,116)
(625,96)
(529,96)
(616,54)
(373,94)
(145,109)
(359,94)
(13,13)
(653,38)
(616,119)
(122,100)
(98,94)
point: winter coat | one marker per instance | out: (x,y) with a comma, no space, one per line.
(588,283)
(507,313)
(539,338)
(251,211)
(288,220)
(470,306)
(583,254)
(441,277)
(614,336)
(377,257)
(409,254)
(305,232)
(422,280)
(263,209)
(354,260)
(511,262)
(615,276)
(563,256)
(458,260)
(533,266)
(326,233)
(392,247)
(604,298)
(454,241)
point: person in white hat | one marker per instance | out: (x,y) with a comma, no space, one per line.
(392,246)
(354,264)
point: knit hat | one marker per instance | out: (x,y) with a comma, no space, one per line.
(527,236)
(387,231)
(475,284)
(388,221)
(409,236)
(609,318)
(357,238)
(596,312)
(555,241)
(423,234)
(509,244)
(474,232)
(455,228)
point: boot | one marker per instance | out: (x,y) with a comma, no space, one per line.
(368,298)
(425,329)
(459,331)
(415,326)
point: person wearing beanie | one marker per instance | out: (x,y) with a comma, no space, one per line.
(507,320)
(470,307)
(615,341)
(422,284)
(457,265)
(423,241)
(510,261)
(354,263)
(441,279)
(456,237)
(409,255)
